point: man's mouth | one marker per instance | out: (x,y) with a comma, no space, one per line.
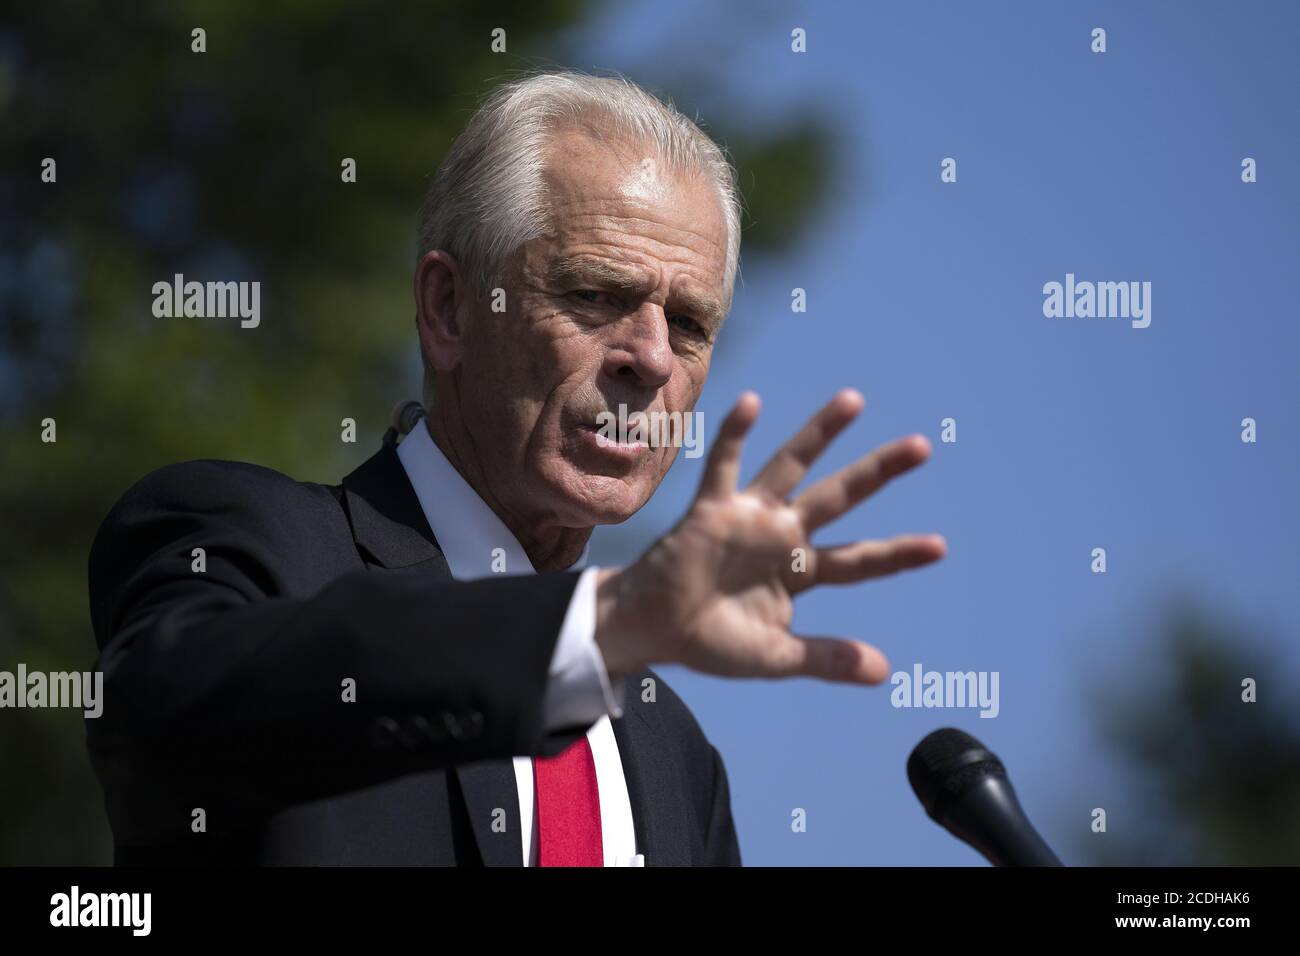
(608,437)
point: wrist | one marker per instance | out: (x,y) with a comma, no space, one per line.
(617,637)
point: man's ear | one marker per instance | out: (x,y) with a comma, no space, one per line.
(440,295)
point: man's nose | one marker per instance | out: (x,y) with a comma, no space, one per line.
(642,349)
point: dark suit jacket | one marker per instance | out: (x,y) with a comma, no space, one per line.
(223,687)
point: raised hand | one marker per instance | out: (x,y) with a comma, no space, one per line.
(716,593)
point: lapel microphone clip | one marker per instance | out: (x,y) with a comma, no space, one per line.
(406,414)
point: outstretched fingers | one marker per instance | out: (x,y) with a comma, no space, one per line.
(790,464)
(836,494)
(849,563)
(835,659)
(722,471)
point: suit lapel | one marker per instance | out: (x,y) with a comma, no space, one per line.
(487,786)
(658,815)
(388,523)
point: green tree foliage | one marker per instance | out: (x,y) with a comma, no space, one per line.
(1211,780)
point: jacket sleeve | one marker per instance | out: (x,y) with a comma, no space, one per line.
(226,688)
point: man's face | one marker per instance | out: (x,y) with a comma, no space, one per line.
(621,305)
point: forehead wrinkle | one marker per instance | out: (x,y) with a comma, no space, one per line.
(703,305)
(587,268)
(634,224)
(630,278)
(663,253)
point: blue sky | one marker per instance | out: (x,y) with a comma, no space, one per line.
(1072,433)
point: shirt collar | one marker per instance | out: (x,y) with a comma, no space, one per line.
(468,531)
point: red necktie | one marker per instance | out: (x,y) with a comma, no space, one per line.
(568,808)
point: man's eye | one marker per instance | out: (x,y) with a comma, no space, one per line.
(687,324)
(590,296)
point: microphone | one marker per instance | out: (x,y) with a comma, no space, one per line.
(964,788)
(405,415)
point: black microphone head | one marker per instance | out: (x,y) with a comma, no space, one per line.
(964,788)
(946,764)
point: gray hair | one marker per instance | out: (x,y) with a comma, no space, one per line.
(487,198)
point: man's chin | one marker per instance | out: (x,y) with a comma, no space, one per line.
(586,500)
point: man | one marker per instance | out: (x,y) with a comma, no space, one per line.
(414,667)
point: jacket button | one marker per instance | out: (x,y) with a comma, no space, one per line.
(414,732)
(452,723)
(474,723)
(383,733)
(435,729)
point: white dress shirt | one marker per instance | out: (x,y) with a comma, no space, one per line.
(474,540)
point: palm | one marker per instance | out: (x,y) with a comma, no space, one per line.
(731,559)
